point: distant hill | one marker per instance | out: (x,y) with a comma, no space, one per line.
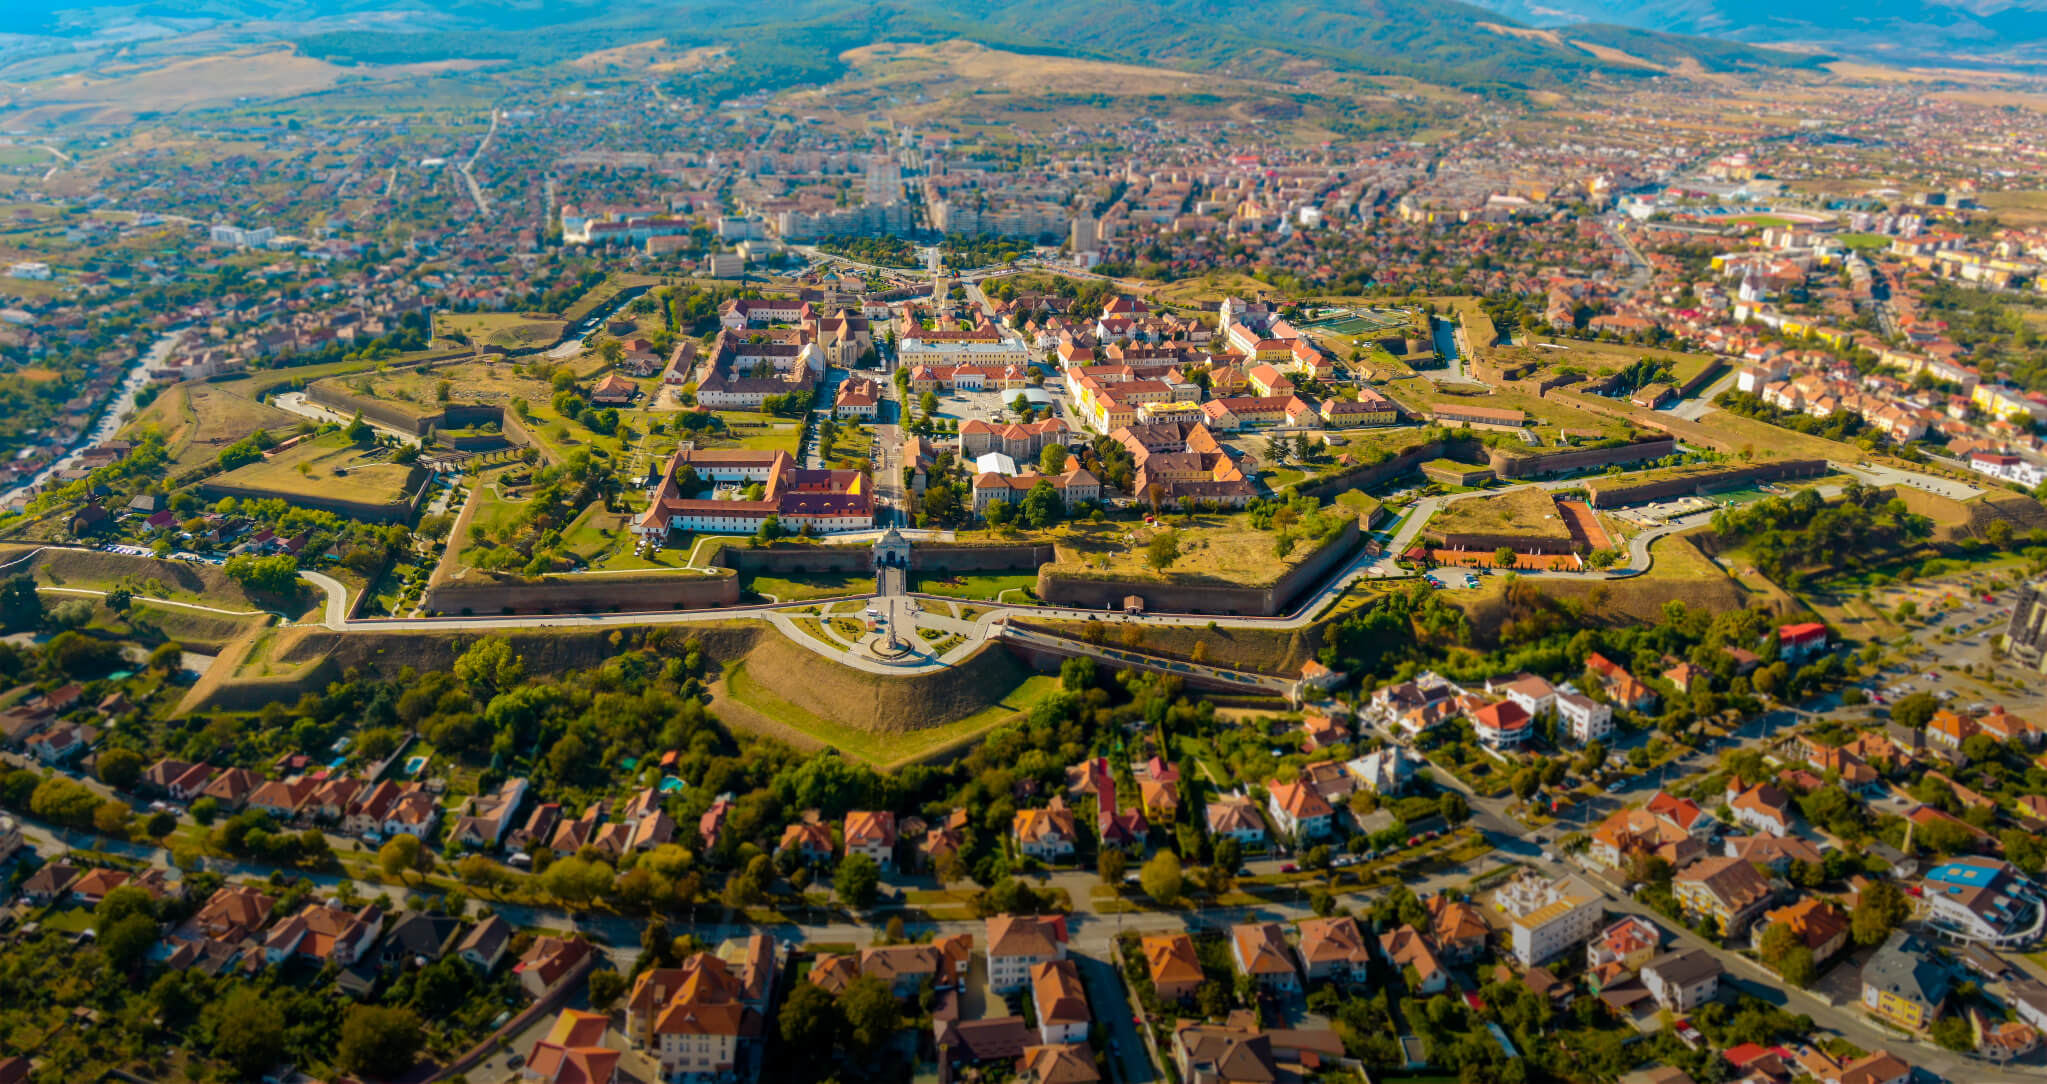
(1923,30)
(1441,41)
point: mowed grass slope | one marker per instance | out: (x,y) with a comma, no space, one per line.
(328,466)
(786,690)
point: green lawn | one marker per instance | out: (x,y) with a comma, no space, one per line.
(886,750)
(985,585)
(819,585)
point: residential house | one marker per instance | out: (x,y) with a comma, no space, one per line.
(703,1021)
(1174,967)
(1458,929)
(1903,985)
(1384,771)
(1057,1063)
(1236,816)
(1405,947)
(1262,954)
(1763,807)
(874,835)
(811,841)
(1061,1002)
(573,1051)
(485,818)
(1298,811)
(551,961)
(1048,834)
(1818,924)
(1334,948)
(324,933)
(1683,981)
(1017,943)
(485,944)
(1728,891)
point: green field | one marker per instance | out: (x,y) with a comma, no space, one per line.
(509,330)
(1864,242)
(817,585)
(326,466)
(981,585)
(885,750)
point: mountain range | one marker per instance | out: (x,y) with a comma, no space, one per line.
(1446,41)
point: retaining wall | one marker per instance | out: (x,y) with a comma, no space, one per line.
(584,593)
(396,511)
(1201,596)
(924,557)
(1508,464)
(1614,493)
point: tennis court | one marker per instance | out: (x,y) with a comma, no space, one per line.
(1355,322)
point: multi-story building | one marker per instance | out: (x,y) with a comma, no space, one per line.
(1018,943)
(1583,718)
(823,501)
(1902,984)
(1546,917)
(1727,891)
(703,1021)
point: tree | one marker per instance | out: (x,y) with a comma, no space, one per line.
(1110,864)
(871,1014)
(119,768)
(489,664)
(167,657)
(857,881)
(125,942)
(606,987)
(1505,557)
(112,818)
(576,881)
(1052,459)
(927,403)
(1914,709)
(1229,854)
(378,1041)
(1162,550)
(402,854)
(1955,1033)
(1021,406)
(1783,949)
(479,871)
(810,1023)
(1162,877)
(1878,910)
(277,574)
(248,1032)
(1453,808)
(21,607)
(358,431)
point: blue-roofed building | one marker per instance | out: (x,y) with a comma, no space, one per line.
(1981,899)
